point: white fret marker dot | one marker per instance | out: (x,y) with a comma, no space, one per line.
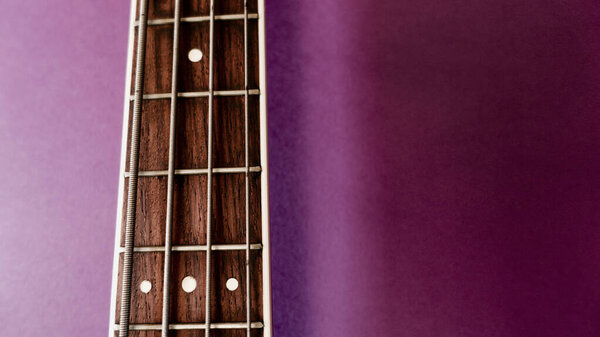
(232,284)
(145,286)
(188,284)
(195,55)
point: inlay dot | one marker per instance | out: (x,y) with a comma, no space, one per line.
(188,284)
(145,286)
(232,284)
(195,55)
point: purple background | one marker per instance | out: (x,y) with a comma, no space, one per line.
(434,166)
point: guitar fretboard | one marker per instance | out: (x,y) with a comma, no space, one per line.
(192,256)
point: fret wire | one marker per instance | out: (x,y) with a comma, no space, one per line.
(193,248)
(194,326)
(171,173)
(248,332)
(133,169)
(209,173)
(195,19)
(194,94)
(221,170)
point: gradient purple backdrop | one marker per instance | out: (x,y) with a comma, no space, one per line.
(435,166)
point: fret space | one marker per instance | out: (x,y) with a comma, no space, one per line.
(189,222)
(193,76)
(191,142)
(227,305)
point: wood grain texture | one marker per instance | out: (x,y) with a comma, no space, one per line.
(193,76)
(190,191)
(189,219)
(228,306)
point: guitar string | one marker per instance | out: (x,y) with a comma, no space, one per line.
(209,173)
(246,145)
(133,171)
(171,173)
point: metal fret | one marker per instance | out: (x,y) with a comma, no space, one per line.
(193,19)
(133,169)
(181,172)
(194,248)
(171,174)
(207,299)
(193,326)
(201,94)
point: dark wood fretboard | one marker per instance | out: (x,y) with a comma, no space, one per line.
(193,204)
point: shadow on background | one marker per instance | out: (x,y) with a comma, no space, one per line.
(434,168)
(479,135)
(287,192)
